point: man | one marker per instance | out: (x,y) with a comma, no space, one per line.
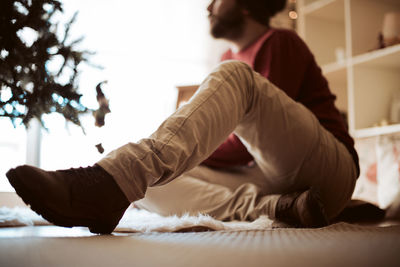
(304,166)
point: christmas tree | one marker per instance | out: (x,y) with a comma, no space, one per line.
(38,76)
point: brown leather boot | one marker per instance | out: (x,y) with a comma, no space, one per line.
(76,197)
(301,209)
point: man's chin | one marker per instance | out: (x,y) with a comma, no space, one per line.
(221,33)
(220,30)
(216,35)
(217,31)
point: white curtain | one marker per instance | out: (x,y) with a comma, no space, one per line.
(147,48)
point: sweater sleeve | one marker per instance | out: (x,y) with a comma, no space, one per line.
(230,153)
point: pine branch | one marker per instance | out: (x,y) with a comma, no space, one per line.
(22,64)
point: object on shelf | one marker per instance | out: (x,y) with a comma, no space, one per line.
(391,28)
(381,42)
(340,54)
(383,122)
(390,34)
(395,108)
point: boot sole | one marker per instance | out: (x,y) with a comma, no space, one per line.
(51,216)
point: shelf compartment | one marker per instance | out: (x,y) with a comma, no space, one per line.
(376,80)
(366,22)
(325,30)
(374,88)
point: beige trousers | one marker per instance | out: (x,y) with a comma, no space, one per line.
(291,149)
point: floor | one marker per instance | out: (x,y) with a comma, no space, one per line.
(340,244)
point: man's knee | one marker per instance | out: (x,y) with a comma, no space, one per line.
(234,65)
(238,72)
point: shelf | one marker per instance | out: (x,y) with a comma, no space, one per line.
(364,80)
(331,10)
(375,131)
(334,67)
(388,57)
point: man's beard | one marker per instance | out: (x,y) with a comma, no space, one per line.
(229,25)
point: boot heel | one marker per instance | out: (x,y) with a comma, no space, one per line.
(101,229)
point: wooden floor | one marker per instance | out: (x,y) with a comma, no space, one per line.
(337,245)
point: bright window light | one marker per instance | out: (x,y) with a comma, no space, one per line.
(12,150)
(147,48)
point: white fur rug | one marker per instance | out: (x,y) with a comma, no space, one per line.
(136,220)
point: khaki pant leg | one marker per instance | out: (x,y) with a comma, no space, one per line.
(234,194)
(285,138)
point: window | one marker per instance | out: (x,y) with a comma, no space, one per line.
(12,149)
(146,48)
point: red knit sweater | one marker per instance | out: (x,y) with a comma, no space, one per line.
(285,60)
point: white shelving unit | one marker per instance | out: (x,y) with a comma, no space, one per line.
(343,35)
